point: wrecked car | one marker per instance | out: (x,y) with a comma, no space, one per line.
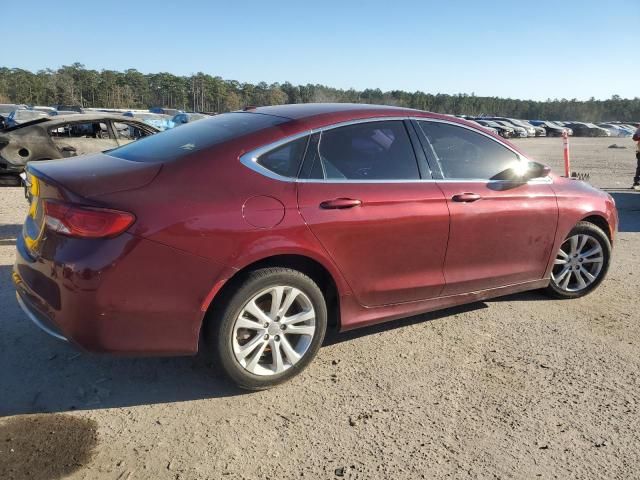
(185,117)
(156,120)
(65,136)
(18,117)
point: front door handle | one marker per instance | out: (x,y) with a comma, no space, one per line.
(340,203)
(466,197)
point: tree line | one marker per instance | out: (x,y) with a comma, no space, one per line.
(77,85)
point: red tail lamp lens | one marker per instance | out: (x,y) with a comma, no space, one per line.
(85,222)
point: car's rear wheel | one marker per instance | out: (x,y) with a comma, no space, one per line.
(269,328)
(581,263)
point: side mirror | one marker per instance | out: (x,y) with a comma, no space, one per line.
(523,172)
(536,170)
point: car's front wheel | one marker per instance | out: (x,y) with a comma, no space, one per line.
(269,328)
(581,263)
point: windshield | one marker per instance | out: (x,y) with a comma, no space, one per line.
(195,136)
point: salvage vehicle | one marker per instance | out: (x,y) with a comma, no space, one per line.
(69,108)
(538,131)
(519,131)
(64,136)
(165,111)
(42,108)
(503,131)
(552,129)
(254,231)
(491,129)
(156,120)
(184,117)
(582,129)
(530,130)
(615,130)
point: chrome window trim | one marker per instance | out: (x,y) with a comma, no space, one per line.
(250,159)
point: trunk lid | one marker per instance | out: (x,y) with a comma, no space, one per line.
(91,176)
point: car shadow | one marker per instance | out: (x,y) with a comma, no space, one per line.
(628,205)
(530,296)
(333,336)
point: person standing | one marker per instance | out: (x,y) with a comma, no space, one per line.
(636,179)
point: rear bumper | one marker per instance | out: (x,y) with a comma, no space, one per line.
(124,295)
(40,320)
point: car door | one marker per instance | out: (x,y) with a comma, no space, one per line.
(363,197)
(502,230)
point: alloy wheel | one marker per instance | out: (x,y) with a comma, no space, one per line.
(578,263)
(274,330)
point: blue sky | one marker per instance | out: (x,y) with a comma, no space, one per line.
(521,49)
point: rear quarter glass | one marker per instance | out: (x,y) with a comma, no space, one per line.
(195,136)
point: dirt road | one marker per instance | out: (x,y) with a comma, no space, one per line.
(520,387)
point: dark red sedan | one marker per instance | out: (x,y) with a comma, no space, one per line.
(255,230)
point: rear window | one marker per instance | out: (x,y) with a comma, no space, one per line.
(195,136)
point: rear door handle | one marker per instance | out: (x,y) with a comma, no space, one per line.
(466,197)
(340,203)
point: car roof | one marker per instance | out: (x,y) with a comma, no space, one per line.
(88,117)
(300,111)
(46,122)
(316,115)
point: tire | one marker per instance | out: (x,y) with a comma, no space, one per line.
(262,368)
(579,258)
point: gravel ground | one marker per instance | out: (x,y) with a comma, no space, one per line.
(520,387)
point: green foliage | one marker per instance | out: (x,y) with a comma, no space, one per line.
(76,85)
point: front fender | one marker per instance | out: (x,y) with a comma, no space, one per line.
(578,201)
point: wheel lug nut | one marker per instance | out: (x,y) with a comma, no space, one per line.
(266,324)
(283,327)
(266,337)
(277,338)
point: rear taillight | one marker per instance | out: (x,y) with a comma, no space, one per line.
(86,222)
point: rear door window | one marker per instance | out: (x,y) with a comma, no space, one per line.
(80,138)
(378,150)
(127,132)
(195,136)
